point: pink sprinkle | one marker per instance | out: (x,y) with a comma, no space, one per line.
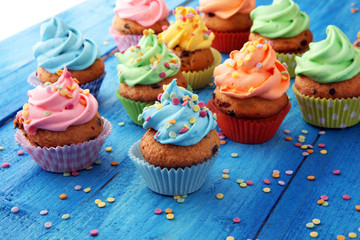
(185,103)
(271,43)
(162,75)
(157,134)
(324,197)
(158,211)
(184,130)
(321,145)
(164,28)
(188,15)
(94,232)
(203,113)
(181,17)
(221,134)
(148,118)
(175,101)
(159,96)
(166,64)
(281,183)
(20,152)
(267,181)
(15,209)
(297,144)
(197,11)
(289,172)
(75,174)
(192,34)
(236,220)
(321,132)
(137,46)
(226,171)
(201,104)
(122,51)
(249,182)
(5,164)
(173,11)
(336,172)
(222,137)
(67,74)
(346,197)
(276,171)
(77,188)
(305,154)
(48,225)
(287,131)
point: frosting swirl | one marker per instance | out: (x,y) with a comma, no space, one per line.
(188,31)
(253,71)
(179,119)
(144,12)
(331,60)
(228,8)
(57,106)
(281,19)
(147,63)
(61,45)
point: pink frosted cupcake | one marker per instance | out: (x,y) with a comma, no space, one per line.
(133,17)
(60,126)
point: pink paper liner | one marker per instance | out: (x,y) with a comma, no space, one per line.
(246,130)
(67,158)
(124,41)
(226,42)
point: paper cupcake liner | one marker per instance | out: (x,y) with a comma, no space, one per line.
(124,41)
(226,42)
(248,131)
(171,181)
(133,108)
(199,79)
(67,158)
(289,59)
(93,86)
(329,113)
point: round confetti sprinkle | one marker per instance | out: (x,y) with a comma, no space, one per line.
(321,132)
(325,204)
(276,171)
(236,220)
(170,216)
(230,238)
(89,167)
(75,174)
(304,131)
(275,175)
(48,225)
(20,152)
(158,211)
(226,171)
(310,225)
(281,183)
(219,196)
(357,207)
(267,181)
(320,202)
(63,196)
(287,131)
(222,142)
(324,197)
(181,200)
(336,172)
(225,176)
(65,216)
(15,209)
(97,201)
(162,74)
(121,124)
(240,180)
(98,162)
(297,144)
(1,148)
(114,163)
(87,190)
(316,221)
(311,178)
(321,145)
(108,149)
(243,185)
(5,164)
(249,182)
(44,212)
(192,120)
(94,232)
(314,234)
(101,204)
(346,197)
(266,190)
(288,138)
(323,152)
(352,235)
(77,188)
(289,172)
(305,154)
(168,210)
(234,155)
(340,237)
(110,200)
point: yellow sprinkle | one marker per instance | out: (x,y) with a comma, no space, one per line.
(1,148)
(159,106)
(316,221)
(304,146)
(243,184)
(265,46)
(164,87)
(26,106)
(266,190)
(158,55)
(138,59)
(219,196)
(323,152)
(110,199)
(251,89)
(172,121)
(225,176)
(151,60)
(106,43)
(211,84)
(108,149)
(248,57)
(230,238)
(25,113)
(284,76)
(27,121)
(59,72)
(63,92)
(234,75)
(176,197)
(196,108)
(240,62)
(149,47)
(86,91)
(89,168)
(352,235)
(97,201)
(151,31)
(101,204)
(195,97)
(314,234)
(246,44)
(131,60)
(87,190)
(117,54)
(251,48)
(160,41)
(170,216)
(242,49)
(140,53)
(132,48)
(192,120)
(186,126)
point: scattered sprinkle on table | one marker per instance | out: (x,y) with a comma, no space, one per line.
(181,200)
(168,210)
(65,216)
(77,188)
(94,232)
(304,131)
(287,131)
(352,235)
(321,132)
(324,197)
(97,201)
(320,201)
(340,237)
(226,171)
(15,209)
(249,182)
(1,148)
(44,212)
(176,197)
(48,225)
(316,221)
(121,124)
(325,204)
(222,142)
(170,216)
(321,145)
(336,172)
(158,211)
(63,196)
(346,197)
(266,190)
(89,168)
(243,185)
(311,178)
(289,172)
(275,175)
(288,138)
(225,176)
(114,163)
(240,180)
(87,190)
(267,181)
(219,196)
(236,220)
(5,165)
(281,183)
(75,173)
(108,149)
(110,200)
(101,204)
(314,234)
(276,171)
(97,162)
(234,155)
(20,152)
(357,207)
(297,144)
(230,238)
(66,174)
(323,152)
(310,225)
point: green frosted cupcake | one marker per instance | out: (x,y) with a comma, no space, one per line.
(143,70)
(286,27)
(327,85)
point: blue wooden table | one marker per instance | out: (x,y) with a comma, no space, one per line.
(280,214)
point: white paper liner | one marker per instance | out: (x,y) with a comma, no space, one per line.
(124,41)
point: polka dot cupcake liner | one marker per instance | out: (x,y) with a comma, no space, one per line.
(200,79)
(93,86)
(68,158)
(329,113)
(123,42)
(226,42)
(171,181)
(289,59)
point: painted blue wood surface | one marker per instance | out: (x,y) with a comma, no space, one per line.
(280,214)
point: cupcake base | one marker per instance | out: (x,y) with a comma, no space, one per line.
(123,42)
(171,181)
(67,158)
(329,113)
(226,42)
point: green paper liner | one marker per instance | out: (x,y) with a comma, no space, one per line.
(289,59)
(133,108)
(200,79)
(329,113)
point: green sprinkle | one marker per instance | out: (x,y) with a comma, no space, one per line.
(215,117)
(310,225)
(181,200)
(140,117)
(173,95)
(172,134)
(234,155)
(206,36)
(97,162)
(240,181)
(284,72)
(121,124)
(65,216)
(183,196)
(325,204)
(66,174)
(47,113)
(304,131)
(166,95)
(301,140)
(191,104)
(47,84)
(167,125)
(58,86)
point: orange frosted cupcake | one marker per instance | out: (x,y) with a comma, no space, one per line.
(250,96)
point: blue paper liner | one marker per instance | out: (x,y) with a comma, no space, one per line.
(93,86)
(171,181)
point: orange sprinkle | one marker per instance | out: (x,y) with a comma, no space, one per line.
(186,97)
(261,40)
(132,49)
(172,121)
(357,207)
(138,59)
(173,60)
(82,102)
(63,196)
(168,210)
(275,175)
(310,151)
(59,72)
(69,95)
(288,138)
(114,163)
(222,142)
(141,54)
(311,178)
(77,81)
(27,121)
(354,10)
(358,35)
(146,32)
(54,89)
(321,201)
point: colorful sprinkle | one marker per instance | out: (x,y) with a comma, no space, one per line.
(101,204)
(158,211)
(266,190)
(281,183)
(110,200)
(162,75)
(314,234)
(43,212)
(77,188)
(324,197)
(249,182)
(203,113)
(234,155)
(48,225)
(14,209)
(5,164)
(340,237)
(310,225)
(65,216)
(316,221)
(236,220)
(336,172)
(170,216)
(219,196)
(172,134)
(267,181)
(108,149)
(259,65)
(288,138)
(75,173)
(357,208)
(352,235)
(243,185)
(289,172)
(240,180)
(323,152)
(346,197)
(311,178)
(94,232)
(114,163)
(63,196)
(86,190)
(196,108)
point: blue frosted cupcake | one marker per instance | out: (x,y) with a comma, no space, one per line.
(175,155)
(63,46)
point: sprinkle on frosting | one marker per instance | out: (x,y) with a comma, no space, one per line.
(252,71)
(50,109)
(189,31)
(152,64)
(178,124)
(226,8)
(61,45)
(331,60)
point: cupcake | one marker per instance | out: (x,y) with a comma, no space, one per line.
(250,95)
(286,26)
(190,40)
(229,20)
(60,126)
(143,70)
(132,17)
(180,123)
(327,85)
(63,46)
(357,41)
